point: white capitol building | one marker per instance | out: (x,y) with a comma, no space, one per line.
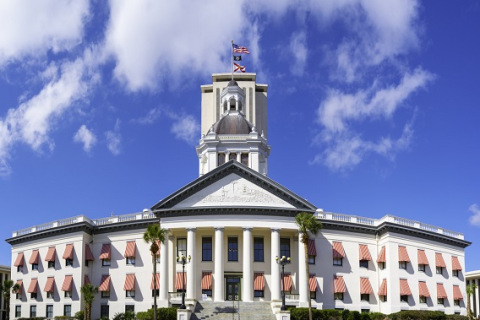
(233,221)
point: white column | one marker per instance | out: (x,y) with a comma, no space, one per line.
(275,279)
(191,269)
(247,290)
(477,296)
(172,263)
(302,274)
(218,277)
(163,294)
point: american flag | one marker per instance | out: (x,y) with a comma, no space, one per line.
(239,49)
(238,67)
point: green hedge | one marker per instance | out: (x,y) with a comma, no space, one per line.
(328,314)
(162,314)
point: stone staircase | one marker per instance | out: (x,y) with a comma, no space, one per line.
(232,310)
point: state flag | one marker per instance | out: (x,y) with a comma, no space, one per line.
(238,67)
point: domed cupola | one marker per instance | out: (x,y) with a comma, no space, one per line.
(233,122)
(232,98)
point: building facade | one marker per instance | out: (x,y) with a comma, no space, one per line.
(473,278)
(4,275)
(232,223)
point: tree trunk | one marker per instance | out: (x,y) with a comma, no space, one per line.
(7,302)
(154,260)
(307,269)
(469,312)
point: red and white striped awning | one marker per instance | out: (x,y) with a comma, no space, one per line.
(311,250)
(34,257)
(68,253)
(403,254)
(339,284)
(258,281)
(338,252)
(365,286)
(439,262)
(179,281)
(130,250)
(19,260)
(86,280)
(129,282)
(67,283)
(457,294)
(106,252)
(441,293)
(382,255)
(364,253)
(423,289)
(157,278)
(50,285)
(287,279)
(88,253)
(104,283)
(405,288)
(20,287)
(456,266)
(33,286)
(383,288)
(207,280)
(50,254)
(422,257)
(312,283)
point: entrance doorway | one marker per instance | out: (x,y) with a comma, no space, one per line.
(233,288)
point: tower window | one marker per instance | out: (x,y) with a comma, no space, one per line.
(232,156)
(221,158)
(244,159)
(232,104)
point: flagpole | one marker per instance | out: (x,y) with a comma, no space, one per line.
(231,65)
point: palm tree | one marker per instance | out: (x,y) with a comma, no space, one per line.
(154,235)
(6,288)
(307,223)
(88,293)
(470,290)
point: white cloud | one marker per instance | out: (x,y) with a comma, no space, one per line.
(299,51)
(475,218)
(31,28)
(114,139)
(186,128)
(86,137)
(152,116)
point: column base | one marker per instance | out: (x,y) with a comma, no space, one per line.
(183,314)
(283,315)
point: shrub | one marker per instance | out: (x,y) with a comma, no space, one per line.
(353,315)
(377,316)
(129,315)
(456,317)
(418,315)
(63,318)
(80,315)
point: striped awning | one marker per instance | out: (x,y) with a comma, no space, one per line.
(383,288)
(130,250)
(405,288)
(68,254)
(157,278)
(456,266)
(88,253)
(50,285)
(441,293)
(364,253)
(338,252)
(365,286)
(104,283)
(106,252)
(86,280)
(403,254)
(382,257)
(439,262)
(422,257)
(179,281)
(423,289)
(129,282)
(457,294)
(312,283)
(67,283)
(19,260)
(311,250)
(339,284)
(20,287)
(207,280)
(34,257)
(50,254)
(258,281)
(287,280)
(33,286)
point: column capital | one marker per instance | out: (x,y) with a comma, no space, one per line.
(192,229)
(219,228)
(275,229)
(247,228)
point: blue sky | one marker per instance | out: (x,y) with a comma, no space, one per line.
(373,105)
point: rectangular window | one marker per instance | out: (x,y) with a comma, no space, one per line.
(207,249)
(131,260)
(439,270)
(49,311)
(105,294)
(313,295)
(67,310)
(284,247)
(157,292)
(421,267)
(381,265)
(258,250)
(18,296)
(104,311)
(402,265)
(68,262)
(86,263)
(68,294)
(423,299)
(365,297)
(49,295)
(258,293)
(404,298)
(129,308)
(311,259)
(207,292)
(337,261)
(338,296)
(221,158)
(244,159)
(106,262)
(383,298)
(34,266)
(33,295)
(456,302)
(19,268)
(440,301)
(364,264)
(51,264)
(232,249)
(130,293)
(33,311)
(455,273)
(18,311)
(181,247)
